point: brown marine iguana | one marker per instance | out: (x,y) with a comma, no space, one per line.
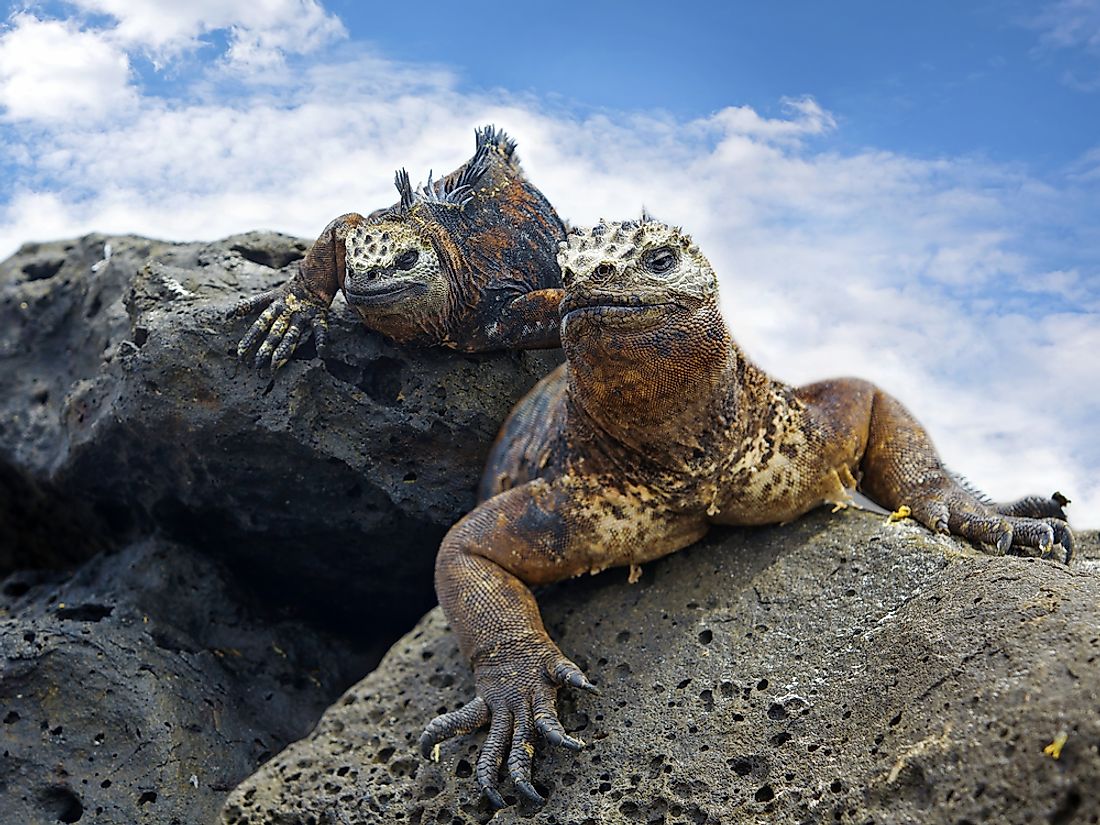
(656,428)
(466,262)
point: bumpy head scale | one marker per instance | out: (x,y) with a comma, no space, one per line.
(630,255)
(387,245)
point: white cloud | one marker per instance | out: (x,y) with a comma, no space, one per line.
(50,70)
(260,31)
(870,263)
(807,118)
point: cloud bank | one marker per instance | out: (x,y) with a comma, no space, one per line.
(969,290)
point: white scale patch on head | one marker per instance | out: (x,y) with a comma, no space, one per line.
(611,255)
(372,246)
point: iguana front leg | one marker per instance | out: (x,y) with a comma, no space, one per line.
(540,532)
(900,468)
(531,321)
(301,304)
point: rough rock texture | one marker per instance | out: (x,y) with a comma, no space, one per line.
(140,690)
(122,409)
(838,669)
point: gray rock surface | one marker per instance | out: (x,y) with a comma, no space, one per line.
(837,669)
(141,689)
(124,410)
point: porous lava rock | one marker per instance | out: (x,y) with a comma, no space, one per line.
(143,687)
(837,669)
(123,410)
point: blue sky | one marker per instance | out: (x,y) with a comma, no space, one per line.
(908,193)
(926,78)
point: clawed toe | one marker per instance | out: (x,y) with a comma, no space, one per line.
(553,733)
(520,757)
(1036,507)
(517,714)
(994,532)
(528,790)
(246,306)
(548,724)
(1049,538)
(470,716)
(276,333)
(494,797)
(1063,541)
(567,673)
(1033,526)
(491,758)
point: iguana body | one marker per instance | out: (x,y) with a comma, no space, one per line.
(466,262)
(656,428)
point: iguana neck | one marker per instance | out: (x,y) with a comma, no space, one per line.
(659,397)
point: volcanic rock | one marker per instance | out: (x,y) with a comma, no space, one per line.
(837,669)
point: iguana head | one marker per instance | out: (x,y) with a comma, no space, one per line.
(632,279)
(392,269)
(413,271)
(641,328)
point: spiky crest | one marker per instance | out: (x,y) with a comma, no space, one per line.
(968,485)
(458,192)
(492,137)
(404,188)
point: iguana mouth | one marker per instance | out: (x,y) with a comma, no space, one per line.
(384,294)
(630,312)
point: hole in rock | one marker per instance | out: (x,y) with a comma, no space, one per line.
(272,258)
(61,804)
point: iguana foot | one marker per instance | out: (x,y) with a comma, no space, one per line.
(291,312)
(1049,538)
(949,509)
(516,695)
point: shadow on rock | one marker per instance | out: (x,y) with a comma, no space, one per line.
(143,688)
(328,488)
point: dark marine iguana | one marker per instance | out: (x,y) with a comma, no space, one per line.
(466,262)
(655,428)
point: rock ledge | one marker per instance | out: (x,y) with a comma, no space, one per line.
(838,669)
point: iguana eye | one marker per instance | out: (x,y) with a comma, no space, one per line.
(407,259)
(659,260)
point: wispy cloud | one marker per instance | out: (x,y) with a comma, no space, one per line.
(968,289)
(1070,24)
(1073,26)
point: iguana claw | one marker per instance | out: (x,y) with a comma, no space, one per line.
(567,673)
(282,325)
(517,697)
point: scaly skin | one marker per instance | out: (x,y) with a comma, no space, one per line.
(466,262)
(657,427)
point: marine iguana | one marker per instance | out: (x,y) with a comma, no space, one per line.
(655,428)
(466,262)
